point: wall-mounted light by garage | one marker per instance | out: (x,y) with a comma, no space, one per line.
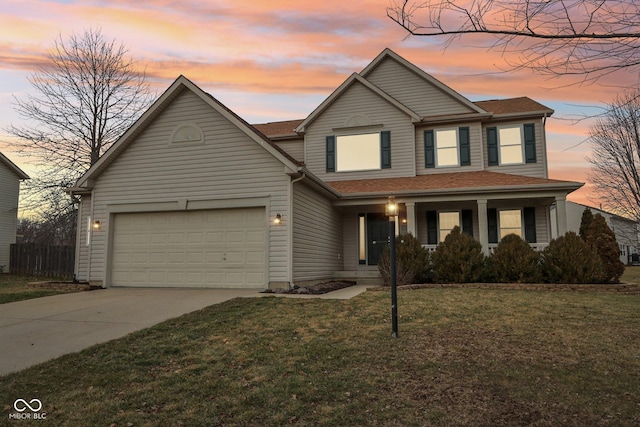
(97,225)
(278,219)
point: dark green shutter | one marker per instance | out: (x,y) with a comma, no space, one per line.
(467,222)
(530,224)
(432,227)
(492,146)
(492,224)
(530,142)
(465,149)
(331,154)
(429,150)
(385,149)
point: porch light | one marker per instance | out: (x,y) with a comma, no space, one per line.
(278,219)
(391,210)
(97,225)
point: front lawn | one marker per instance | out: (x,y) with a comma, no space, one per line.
(464,357)
(16,288)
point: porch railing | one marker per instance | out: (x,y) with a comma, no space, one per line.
(493,246)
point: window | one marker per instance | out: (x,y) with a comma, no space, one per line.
(510,222)
(447,147)
(359,152)
(446,222)
(440,224)
(511,145)
(362,239)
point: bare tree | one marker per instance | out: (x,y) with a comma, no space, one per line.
(86,96)
(590,38)
(615,159)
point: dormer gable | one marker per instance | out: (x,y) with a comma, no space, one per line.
(344,87)
(415,88)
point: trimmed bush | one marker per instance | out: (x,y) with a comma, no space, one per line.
(514,261)
(568,259)
(599,236)
(412,262)
(459,259)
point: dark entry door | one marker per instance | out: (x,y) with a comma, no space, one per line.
(377,236)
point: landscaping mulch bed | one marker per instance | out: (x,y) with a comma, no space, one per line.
(317,289)
(62,286)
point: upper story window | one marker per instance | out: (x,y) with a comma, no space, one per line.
(359,152)
(447,147)
(511,145)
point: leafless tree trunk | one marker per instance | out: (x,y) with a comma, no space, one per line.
(590,38)
(615,160)
(85,98)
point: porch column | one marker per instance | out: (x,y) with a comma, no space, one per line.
(561,214)
(483,228)
(411,219)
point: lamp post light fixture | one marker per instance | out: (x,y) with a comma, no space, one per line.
(391,210)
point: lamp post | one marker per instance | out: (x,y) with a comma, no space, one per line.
(392,211)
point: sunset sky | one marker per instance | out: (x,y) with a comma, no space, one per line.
(278,59)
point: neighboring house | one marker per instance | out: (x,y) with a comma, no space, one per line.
(626,230)
(192,195)
(10,177)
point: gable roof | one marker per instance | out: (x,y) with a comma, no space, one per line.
(177,87)
(453,182)
(356,78)
(279,130)
(514,107)
(388,53)
(12,167)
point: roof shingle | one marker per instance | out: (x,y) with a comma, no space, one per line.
(445,181)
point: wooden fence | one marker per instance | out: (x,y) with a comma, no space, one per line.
(42,260)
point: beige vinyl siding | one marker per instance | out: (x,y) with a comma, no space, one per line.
(9,192)
(82,245)
(317,235)
(227,165)
(358,100)
(414,91)
(538,169)
(295,148)
(475,143)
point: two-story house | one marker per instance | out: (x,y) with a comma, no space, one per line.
(192,195)
(10,178)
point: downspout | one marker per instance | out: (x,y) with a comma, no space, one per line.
(290,231)
(544,143)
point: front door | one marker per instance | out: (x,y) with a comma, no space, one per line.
(377,236)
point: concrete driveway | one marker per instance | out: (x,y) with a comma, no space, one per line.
(41,329)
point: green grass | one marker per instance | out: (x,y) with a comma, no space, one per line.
(14,288)
(464,357)
(631,274)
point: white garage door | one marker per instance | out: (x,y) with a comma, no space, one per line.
(224,248)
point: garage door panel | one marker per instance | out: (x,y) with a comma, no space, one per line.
(216,248)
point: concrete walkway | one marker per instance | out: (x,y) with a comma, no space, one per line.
(37,330)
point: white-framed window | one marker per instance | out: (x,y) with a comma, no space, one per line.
(446,144)
(358,152)
(510,222)
(446,222)
(511,145)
